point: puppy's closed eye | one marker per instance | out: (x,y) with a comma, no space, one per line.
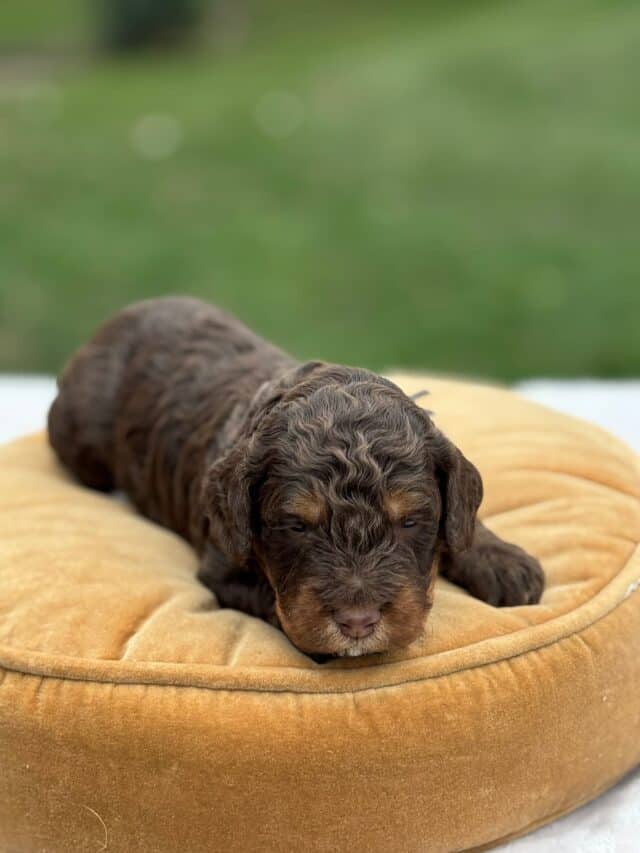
(289,524)
(305,509)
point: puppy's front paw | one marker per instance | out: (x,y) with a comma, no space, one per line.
(501,574)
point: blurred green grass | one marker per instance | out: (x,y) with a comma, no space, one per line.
(455,188)
(33,24)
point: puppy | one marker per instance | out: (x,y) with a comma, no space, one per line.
(317,496)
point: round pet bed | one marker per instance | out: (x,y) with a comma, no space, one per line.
(137,716)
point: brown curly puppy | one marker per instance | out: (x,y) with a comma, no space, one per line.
(317,495)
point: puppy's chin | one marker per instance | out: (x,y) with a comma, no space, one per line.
(358,650)
(327,640)
(343,647)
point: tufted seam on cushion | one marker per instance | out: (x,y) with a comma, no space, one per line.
(631,591)
(545,502)
(144,619)
(573,476)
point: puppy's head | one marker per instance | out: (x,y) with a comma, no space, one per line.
(342,490)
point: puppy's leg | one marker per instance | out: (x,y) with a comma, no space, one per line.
(240,589)
(495,571)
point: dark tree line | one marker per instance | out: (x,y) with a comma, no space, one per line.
(134,24)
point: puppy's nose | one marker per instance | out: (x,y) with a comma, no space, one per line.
(356,622)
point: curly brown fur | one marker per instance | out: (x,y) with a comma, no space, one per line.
(318,496)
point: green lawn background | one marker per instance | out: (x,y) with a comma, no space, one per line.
(452,186)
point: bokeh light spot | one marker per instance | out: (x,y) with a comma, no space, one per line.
(39,102)
(156,137)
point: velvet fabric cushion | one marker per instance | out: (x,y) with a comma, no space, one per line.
(137,716)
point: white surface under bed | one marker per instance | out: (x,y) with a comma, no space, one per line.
(611,824)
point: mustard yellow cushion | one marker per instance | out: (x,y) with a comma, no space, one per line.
(136,716)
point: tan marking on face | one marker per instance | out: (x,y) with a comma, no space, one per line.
(303,621)
(308,506)
(399,504)
(405,619)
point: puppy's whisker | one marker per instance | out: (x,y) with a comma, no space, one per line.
(419,394)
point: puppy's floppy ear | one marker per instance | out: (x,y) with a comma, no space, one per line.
(461,494)
(227,501)
(230,484)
